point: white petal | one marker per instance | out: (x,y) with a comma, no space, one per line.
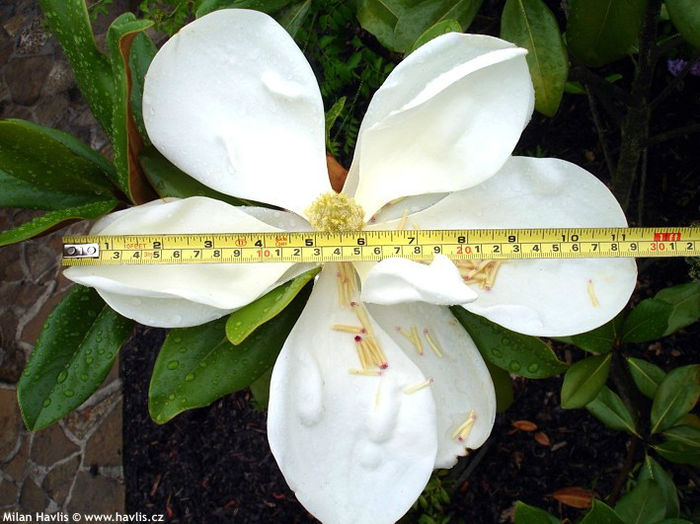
(232,101)
(220,287)
(461,381)
(355,449)
(446,119)
(398,280)
(542,297)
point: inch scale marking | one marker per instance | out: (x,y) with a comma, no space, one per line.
(356,246)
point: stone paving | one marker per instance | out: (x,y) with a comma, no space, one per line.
(76,464)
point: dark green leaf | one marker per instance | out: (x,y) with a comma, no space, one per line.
(47,160)
(685,299)
(332,115)
(260,389)
(644,504)
(415,20)
(648,321)
(520,354)
(19,194)
(75,351)
(599,340)
(379,17)
(266,6)
(601,513)
(652,470)
(440,28)
(503,385)
(243,322)
(125,137)
(530,24)
(525,514)
(198,365)
(142,52)
(675,397)
(70,22)
(292,17)
(584,380)
(679,452)
(169,181)
(646,375)
(685,15)
(687,435)
(601,31)
(55,219)
(608,407)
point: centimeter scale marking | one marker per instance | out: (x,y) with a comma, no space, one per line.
(355,246)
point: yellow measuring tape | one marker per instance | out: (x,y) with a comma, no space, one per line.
(357,246)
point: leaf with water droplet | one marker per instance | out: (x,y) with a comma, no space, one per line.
(63,376)
(243,322)
(520,354)
(212,366)
(584,380)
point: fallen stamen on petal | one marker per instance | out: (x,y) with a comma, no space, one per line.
(432,343)
(365,372)
(346,328)
(418,387)
(592,295)
(402,223)
(462,432)
(416,340)
(481,272)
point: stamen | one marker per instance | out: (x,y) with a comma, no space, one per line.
(365,372)
(463,431)
(432,343)
(346,328)
(416,340)
(418,387)
(402,223)
(492,274)
(592,295)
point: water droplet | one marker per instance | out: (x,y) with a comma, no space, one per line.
(177,340)
(532,368)
(496,352)
(83,377)
(89,360)
(177,319)
(47,402)
(238,324)
(171,396)
(62,376)
(189,377)
(69,393)
(266,310)
(183,349)
(173,364)
(202,364)
(369,455)
(514,365)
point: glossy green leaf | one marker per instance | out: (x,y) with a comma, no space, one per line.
(414,20)
(675,397)
(644,504)
(56,219)
(169,181)
(601,513)
(19,194)
(125,137)
(525,514)
(675,521)
(685,15)
(685,434)
(440,28)
(73,355)
(648,321)
(260,389)
(584,380)
(503,385)
(652,470)
(530,24)
(51,160)
(142,52)
(685,299)
(198,365)
(292,17)
(608,407)
(243,322)
(646,375)
(519,354)
(679,452)
(70,22)
(266,6)
(601,31)
(332,115)
(599,340)
(380,17)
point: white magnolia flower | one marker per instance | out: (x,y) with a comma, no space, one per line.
(377,384)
